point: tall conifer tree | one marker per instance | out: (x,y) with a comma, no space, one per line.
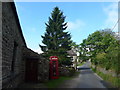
(56,40)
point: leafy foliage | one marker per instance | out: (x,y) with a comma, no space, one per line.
(103,49)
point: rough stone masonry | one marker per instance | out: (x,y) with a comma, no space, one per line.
(13,46)
(0,45)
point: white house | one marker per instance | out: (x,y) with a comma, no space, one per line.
(74,54)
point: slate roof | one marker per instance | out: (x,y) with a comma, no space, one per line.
(72,53)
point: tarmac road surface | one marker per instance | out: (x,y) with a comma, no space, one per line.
(88,79)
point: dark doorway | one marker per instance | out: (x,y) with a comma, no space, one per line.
(31,71)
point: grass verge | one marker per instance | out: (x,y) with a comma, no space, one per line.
(56,82)
(81,64)
(115,81)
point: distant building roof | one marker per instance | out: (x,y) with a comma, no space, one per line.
(72,53)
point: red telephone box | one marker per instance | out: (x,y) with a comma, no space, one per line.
(54,74)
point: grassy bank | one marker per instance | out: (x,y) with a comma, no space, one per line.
(81,64)
(56,82)
(109,78)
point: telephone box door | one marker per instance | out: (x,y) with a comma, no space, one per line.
(54,67)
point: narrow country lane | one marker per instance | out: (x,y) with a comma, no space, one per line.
(88,79)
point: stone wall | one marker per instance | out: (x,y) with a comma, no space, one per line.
(15,51)
(0,45)
(11,34)
(103,70)
(66,71)
(43,64)
(43,67)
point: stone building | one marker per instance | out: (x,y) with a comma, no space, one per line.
(16,57)
(73,54)
(40,70)
(0,46)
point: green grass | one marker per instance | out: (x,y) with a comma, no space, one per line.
(113,80)
(81,64)
(93,69)
(56,82)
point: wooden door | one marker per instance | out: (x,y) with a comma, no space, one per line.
(31,72)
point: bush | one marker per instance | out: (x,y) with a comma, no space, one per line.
(71,71)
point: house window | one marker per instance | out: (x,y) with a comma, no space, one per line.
(14,56)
